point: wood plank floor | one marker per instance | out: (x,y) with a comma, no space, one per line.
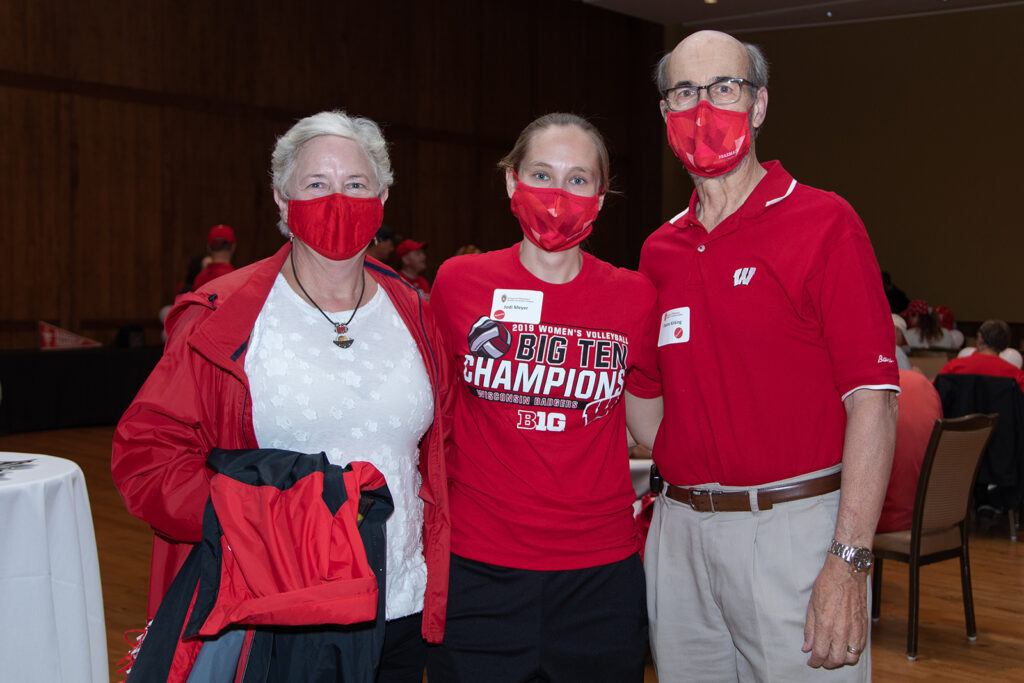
(944,653)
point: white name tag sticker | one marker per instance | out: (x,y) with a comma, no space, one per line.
(675,326)
(517,305)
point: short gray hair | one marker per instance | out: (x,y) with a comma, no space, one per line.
(363,130)
(756,74)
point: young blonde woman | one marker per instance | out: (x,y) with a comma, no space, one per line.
(546,583)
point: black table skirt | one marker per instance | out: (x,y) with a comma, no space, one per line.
(57,389)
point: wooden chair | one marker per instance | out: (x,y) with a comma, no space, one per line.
(938,531)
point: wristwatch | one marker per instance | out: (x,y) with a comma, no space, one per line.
(859,559)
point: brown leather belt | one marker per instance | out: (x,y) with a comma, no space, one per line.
(711,500)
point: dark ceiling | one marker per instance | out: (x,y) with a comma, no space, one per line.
(759,15)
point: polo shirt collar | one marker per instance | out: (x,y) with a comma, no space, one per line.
(774,188)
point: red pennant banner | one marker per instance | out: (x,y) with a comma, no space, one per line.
(53,337)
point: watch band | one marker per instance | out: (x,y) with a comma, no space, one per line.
(859,559)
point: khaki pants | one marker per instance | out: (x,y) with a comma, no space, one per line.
(727,592)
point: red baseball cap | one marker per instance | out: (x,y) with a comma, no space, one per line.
(946,318)
(916,307)
(408,245)
(220,235)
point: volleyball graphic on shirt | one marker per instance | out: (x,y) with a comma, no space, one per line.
(489,338)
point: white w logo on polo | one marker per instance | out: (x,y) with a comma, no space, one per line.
(742,276)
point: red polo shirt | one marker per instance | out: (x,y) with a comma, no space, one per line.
(767,323)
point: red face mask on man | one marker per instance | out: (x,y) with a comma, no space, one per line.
(708,140)
(554,219)
(336,226)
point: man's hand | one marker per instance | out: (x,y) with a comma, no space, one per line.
(837,616)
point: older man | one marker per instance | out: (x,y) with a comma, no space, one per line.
(776,350)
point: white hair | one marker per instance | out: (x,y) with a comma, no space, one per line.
(363,130)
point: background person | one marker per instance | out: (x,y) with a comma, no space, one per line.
(896,297)
(220,247)
(900,325)
(313,349)
(412,262)
(383,246)
(992,341)
(195,266)
(925,329)
(919,408)
(948,322)
(546,582)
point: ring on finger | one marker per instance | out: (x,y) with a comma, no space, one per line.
(853,650)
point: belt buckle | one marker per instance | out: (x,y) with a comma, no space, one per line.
(700,493)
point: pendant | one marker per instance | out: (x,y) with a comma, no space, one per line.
(343,342)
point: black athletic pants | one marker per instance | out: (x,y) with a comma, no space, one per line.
(515,625)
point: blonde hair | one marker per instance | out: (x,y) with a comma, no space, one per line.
(514,158)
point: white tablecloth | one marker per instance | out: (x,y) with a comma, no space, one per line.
(51,603)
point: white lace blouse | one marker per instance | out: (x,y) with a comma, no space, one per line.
(371,402)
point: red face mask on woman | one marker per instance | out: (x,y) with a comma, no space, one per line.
(336,226)
(554,219)
(708,140)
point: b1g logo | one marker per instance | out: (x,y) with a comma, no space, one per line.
(489,338)
(541,421)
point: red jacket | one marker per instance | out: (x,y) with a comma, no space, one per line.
(197,399)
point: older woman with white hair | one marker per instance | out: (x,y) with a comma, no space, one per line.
(316,348)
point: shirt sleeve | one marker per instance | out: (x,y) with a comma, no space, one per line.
(644,377)
(857,325)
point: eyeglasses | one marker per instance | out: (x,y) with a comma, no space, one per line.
(721,92)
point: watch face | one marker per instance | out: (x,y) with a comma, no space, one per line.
(862,559)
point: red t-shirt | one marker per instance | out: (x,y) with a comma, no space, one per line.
(211,272)
(983,364)
(919,406)
(419,282)
(539,470)
(767,323)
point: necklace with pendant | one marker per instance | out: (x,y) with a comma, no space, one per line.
(343,341)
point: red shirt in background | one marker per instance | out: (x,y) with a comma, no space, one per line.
(419,282)
(919,406)
(211,272)
(983,364)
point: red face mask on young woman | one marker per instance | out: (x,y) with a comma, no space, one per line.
(554,219)
(336,226)
(708,140)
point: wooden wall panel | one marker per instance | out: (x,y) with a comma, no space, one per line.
(205,184)
(34,185)
(913,122)
(148,122)
(115,230)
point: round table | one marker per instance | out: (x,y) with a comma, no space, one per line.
(51,603)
